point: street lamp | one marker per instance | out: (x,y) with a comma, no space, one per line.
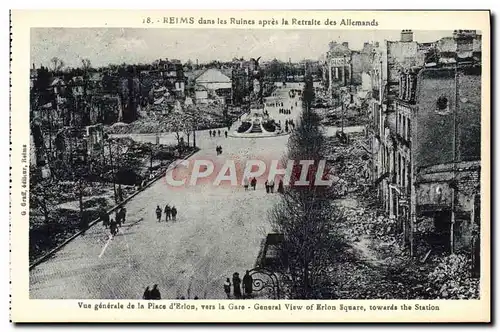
(109,140)
(195,127)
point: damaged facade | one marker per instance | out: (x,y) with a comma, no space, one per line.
(425,136)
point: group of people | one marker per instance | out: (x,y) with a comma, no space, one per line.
(289,125)
(218,149)
(285,111)
(270,186)
(252,182)
(152,294)
(111,223)
(236,284)
(170,213)
(214,133)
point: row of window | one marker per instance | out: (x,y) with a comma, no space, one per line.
(403,171)
(408,87)
(404,126)
(402,168)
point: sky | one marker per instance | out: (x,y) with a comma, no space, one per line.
(104,46)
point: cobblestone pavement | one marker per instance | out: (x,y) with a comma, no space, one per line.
(218,231)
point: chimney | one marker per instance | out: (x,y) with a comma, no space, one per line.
(406,36)
(346,44)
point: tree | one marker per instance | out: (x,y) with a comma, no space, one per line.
(86,65)
(57,64)
(305,215)
(43,194)
(276,70)
(176,124)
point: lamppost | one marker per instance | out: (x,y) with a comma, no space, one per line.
(195,127)
(113,175)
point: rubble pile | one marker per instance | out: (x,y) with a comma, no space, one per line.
(451,278)
(361,222)
(333,116)
(207,116)
(348,163)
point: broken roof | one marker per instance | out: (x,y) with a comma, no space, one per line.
(213,76)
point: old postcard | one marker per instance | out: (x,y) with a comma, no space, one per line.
(250,166)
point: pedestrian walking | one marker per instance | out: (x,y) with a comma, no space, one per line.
(118,217)
(248,284)
(167,212)
(227,288)
(155,293)
(236,285)
(105,218)
(158,213)
(123,212)
(218,132)
(271,186)
(113,227)
(225,133)
(254,183)
(174,213)
(281,189)
(267,186)
(245,183)
(147,294)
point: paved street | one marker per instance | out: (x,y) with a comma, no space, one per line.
(218,232)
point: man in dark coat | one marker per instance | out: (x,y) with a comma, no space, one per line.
(254,183)
(281,189)
(155,293)
(147,294)
(123,214)
(113,227)
(118,218)
(247,284)
(236,285)
(167,212)
(158,213)
(174,213)
(105,218)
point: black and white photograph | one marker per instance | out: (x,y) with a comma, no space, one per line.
(254,164)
